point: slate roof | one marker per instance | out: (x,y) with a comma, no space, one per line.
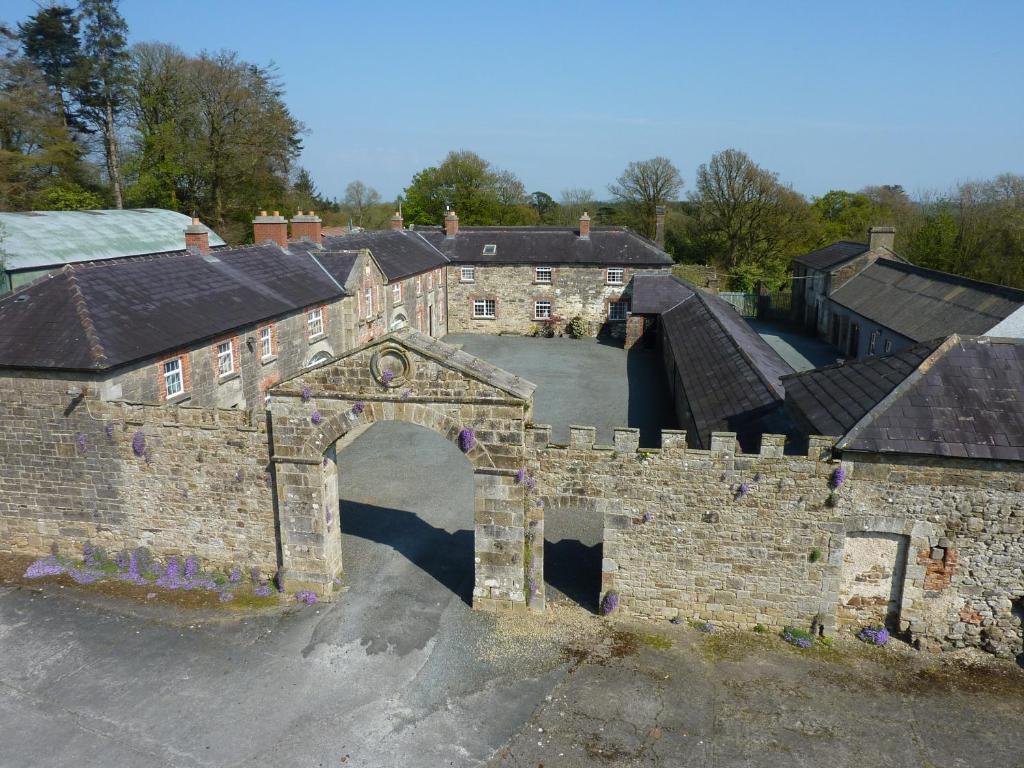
(103,315)
(38,239)
(654,294)
(548,245)
(965,399)
(922,304)
(731,377)
(399,253)
(832,255)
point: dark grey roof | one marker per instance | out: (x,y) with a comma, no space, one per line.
(400,253)
(654,293)
(922,304)
(960,397)
(551,245)
(832,255)
(100,316)
(731,377)
(833,398)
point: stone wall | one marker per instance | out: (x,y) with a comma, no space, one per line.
(70,475)
(741,539)
(573,290)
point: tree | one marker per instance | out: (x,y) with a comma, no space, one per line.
(749,223)
(573,203)
(50,41)
(304,194)
(469,185)
(358,199)
(101,80)
(646,184)
(845,215)
(545,206)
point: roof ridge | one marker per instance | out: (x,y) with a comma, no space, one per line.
(883,405)
(96,349)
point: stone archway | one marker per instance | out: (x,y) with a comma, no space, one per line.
(406,376)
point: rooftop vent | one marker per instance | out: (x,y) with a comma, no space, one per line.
(490,249)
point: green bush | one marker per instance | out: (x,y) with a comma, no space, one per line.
(577,327)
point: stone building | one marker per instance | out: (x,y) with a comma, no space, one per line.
(521,279)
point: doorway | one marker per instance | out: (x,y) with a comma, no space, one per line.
(871,588)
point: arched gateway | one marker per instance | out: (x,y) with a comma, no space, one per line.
(408,376)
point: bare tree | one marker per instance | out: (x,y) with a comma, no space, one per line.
(358,198)
(646,184)
(572,203)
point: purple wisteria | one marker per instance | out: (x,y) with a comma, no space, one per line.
(263,590)
(742,491)
(358,407)
(306,596)
(877,635)
(139,443)
(799,638)
(306,394)
(838,476)
(467,439)
(520,475)
(648,517)
(406,394)
(387,376)
(47,566)
(609,603)
(81,441)
(316,418)
(109,429)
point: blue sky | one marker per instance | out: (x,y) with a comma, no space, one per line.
(829,95)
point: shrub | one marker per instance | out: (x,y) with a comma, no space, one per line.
(306,596)
(875,635)
(800,638)
(815,555)
(577,327)
(838,476)
(467,439)
(316,418)
(761,629)
(609,603)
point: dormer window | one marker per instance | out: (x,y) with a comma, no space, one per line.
(490,249)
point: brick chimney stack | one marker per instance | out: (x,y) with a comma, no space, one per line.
(307,227)
(396,221)
(451,224)
(273,228)
(197,237)
(882,237)
(659,226)
(585,225)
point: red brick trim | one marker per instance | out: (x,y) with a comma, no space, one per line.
(186,374)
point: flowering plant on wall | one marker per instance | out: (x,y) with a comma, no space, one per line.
(316,418)
(358,407)
(834,482)
(800,638)
(467,439)
(609,603)
(876,635)
(387,376)
(306,394)
(742,491)
(139,443)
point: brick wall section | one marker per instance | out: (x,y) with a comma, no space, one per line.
(574,290)
(203,489)
(739,561)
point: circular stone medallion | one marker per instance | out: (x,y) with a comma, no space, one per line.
(391,366)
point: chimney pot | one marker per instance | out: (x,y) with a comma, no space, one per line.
(396,221)
(307,226)
(585,225)
(197,237)
(451,224)
(273,228)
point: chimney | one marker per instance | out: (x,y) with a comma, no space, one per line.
(659,226)
(882,237)
(273,228)
(306,227)
(396,221)
(585,225)
(197,237)
(451,224)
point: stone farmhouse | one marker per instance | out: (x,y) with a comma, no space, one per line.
(888,489)
(866,300)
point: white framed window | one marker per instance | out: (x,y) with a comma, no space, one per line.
(542,274)
(484,308)
(888,346)
(490,249)
(225,358)
(617,310)
(467,274)
(872,345)
(542,310)
(616,275)
(396,293)
(419,285)
(315,322)
(174,384)
(266,342)
(369,303)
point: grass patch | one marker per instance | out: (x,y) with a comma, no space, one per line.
(656,641)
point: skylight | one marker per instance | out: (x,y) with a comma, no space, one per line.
(490,249)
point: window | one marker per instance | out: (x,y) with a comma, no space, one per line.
(397,293)
(369,303)
(315,322)
(173,382)
(542,310)
(490,249)
(430,281)
(617,310)
(419,285)
(873,343)
(484,308)
(225,358)
(888,346)
(467,274)
(616,275)
(266,342)
(542,274)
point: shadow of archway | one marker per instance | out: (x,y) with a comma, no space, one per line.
(574,569)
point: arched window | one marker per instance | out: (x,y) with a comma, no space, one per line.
(318,358)
(399,321)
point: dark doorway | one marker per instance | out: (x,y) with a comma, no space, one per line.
(572,554)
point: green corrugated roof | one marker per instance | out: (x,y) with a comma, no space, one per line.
(35,239)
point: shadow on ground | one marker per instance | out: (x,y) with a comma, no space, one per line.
(650,406)
(445,556)
(574,570)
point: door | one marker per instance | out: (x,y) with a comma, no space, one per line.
(871,587)
(854,348)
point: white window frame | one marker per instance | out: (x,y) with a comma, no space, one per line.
(621,272)
(369,303)
(888,346)
(613,309)
(547,311)
(177,373)
(396,293)
(225,358)
(491,249)
(467,275)
(266,342)
(315,322)
(481,307)
(539,279)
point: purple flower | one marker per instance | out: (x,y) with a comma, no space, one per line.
(520,475)
(707,628)
(838,476)
(109,429)
(467,439)
(648,516)
(254,575)
(315,418)
(358,407)
(328,517)
(139,443)
(47,566)
(236,575)
(387,376)
(84,575)
(191,568)
(540,503)
(263,590)
(609,603)
(406,394)
(306,394)
(803,642)
(742,491)
(80,440)
(306,596)
(531,484)
(226,597)
(88,554)
(171,578)
(759,477)
(121,558)
(878,635)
